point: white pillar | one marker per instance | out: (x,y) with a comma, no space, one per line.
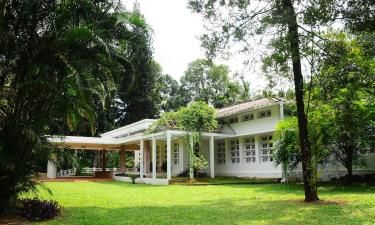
(169,167)
(153,158)
(281,110)
(191,152)
(212,161)
(141,161)
(182,154)
(52,167)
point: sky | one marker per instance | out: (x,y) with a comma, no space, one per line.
(176,43)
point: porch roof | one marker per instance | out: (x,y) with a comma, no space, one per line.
(110,143)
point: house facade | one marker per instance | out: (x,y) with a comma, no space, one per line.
(242,148)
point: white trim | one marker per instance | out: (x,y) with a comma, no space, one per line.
(126,130)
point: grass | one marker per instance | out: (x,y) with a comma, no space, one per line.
(122,203)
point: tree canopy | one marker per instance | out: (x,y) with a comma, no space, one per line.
(59,60)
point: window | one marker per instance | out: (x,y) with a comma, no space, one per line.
(176,154)
(264,113)
(221,152)
(266,148)
(235,151)
(250,150)
(248,117)
(233,119)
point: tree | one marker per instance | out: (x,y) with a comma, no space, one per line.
(345,88)
(205,81)
(138,93)
(195,118)
(287,146)
(57,60)
(290,28)
(169,90)
(240,24)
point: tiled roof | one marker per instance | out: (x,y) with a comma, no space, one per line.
(235,109)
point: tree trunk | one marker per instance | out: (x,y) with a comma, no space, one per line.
(104,160)
(349,165)
(293,38)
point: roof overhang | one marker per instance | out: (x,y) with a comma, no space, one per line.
(128,143)
(89,143)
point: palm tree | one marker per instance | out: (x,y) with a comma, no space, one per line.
(57,60)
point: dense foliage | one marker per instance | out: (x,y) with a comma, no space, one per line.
(205,81)
(195,118)
(38,210)
(59,61)
(345,88)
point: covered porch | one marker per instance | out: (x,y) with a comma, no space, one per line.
(159,155)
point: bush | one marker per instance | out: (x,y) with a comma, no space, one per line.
(199,164)
(121,174)
(133,177)
(184,173)
(38,210)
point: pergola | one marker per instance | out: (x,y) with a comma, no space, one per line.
(133,142)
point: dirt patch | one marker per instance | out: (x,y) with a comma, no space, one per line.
(12,220)
(321,202)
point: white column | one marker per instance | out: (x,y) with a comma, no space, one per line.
(169,167)
(182,154)
(153,158)
(212,161)
(191,152)
(52,167)
(281,110)
(141,161)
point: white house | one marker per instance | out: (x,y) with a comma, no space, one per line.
(242,148)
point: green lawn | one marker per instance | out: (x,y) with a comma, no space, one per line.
(109,203)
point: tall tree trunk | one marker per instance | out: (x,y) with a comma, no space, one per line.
(293,38)
(349,164)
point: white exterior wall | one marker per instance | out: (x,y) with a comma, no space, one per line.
(252,128)
(256,126)
(334,169)
(258,169)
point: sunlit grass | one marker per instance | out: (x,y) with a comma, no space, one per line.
(110,203)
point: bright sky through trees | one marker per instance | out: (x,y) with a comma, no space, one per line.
(176,32)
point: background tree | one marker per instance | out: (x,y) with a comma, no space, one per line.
(345,88)
(169,90)
(210,83)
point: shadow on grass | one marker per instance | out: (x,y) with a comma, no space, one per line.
(223,211)
(298,188)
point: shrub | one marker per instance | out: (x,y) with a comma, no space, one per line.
(199,164)
(184,173)
(133,177)
(38,210)
(121,174)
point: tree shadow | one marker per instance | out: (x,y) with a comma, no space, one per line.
(221,211)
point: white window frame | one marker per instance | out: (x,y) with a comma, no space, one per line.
(250,149)
(248,117)
(176,153)
(220,153)
(265,112)
(234,118)
(234,151)
(266,148)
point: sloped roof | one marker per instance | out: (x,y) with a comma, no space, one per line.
(239,108)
